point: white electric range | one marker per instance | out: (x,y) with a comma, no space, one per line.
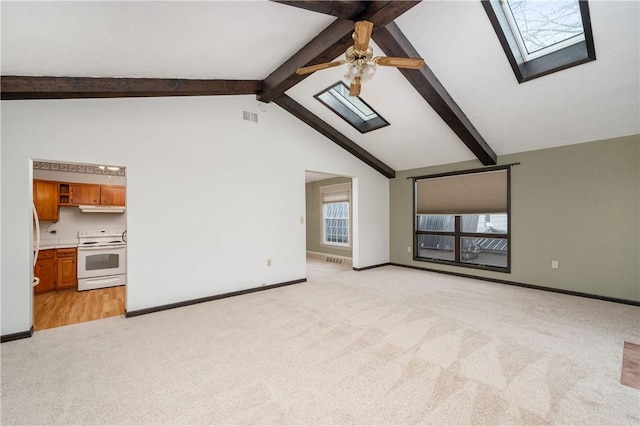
(102,258)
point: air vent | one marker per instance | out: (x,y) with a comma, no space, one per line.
(334,260)
(250,116)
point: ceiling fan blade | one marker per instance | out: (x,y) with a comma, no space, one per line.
(362,35)
(318,67)
(413,63)
(354,88)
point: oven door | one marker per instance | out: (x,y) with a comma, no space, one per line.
(101,261)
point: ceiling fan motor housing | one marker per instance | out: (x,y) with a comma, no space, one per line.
(358,57)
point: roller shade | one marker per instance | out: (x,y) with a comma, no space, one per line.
(473,193)
(335,193)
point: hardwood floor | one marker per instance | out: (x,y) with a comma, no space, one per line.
(56,309)
(631,365)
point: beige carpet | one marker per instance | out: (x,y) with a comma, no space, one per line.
(383,346)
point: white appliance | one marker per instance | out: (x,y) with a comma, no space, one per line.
(102,209)
(102,258)
(36,246)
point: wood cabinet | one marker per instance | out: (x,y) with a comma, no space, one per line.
(46,270)
(49,195)
(112,195)
(92,195)
(57,270)
(66,268)
(45,198)
(64,194)
(85,194)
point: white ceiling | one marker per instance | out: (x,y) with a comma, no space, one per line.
(249,39)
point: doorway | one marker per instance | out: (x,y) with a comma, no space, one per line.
(329,224)
(71,201)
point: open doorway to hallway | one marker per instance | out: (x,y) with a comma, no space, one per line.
(79,241)
(329,224)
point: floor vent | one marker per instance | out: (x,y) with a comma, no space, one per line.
(250,116)
(334,260)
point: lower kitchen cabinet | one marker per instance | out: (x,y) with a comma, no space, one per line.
(57,270)
(66,268)
(46,271)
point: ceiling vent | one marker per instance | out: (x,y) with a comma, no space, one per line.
(250,116)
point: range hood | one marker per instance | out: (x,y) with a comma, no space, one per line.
(102,209)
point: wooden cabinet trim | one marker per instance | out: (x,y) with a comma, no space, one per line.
(66,252)
(46,254)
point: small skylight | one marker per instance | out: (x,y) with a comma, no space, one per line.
(540,37)
(542,27)
(352,109)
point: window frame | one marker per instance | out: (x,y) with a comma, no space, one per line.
(354,119)
(558,60)
(457,233)
(323,234)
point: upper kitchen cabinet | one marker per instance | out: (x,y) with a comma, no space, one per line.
(48,195)
(112,195)
(45,198)
(85,194)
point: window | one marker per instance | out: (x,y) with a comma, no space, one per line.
(541,37)
(463,219)
(352,109)
(336,214)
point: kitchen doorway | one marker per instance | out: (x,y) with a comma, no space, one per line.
(79,237)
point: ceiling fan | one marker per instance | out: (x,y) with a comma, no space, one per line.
(360,61)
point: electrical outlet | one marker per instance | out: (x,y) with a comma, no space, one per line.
(408,249)
(554,264)
(268,262)
(301,220)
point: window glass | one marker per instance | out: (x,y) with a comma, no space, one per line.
(545,26)
(440,247)
(485,223)
(432,222)
(484,251)
(354,103)
(541,37)
(351,109)
(336,222)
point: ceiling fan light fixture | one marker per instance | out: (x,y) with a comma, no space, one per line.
(361,65)
(363,71)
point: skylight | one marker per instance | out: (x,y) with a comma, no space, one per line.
(542,27)
(352,109)
(540,37)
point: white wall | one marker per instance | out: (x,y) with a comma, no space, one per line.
(71,220)
(210,197)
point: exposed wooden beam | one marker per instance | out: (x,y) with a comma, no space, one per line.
(325,47)
(24,87)
(394,43)
(312,120)
(339,9)
(328,45)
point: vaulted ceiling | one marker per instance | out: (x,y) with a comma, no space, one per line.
(465,104)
